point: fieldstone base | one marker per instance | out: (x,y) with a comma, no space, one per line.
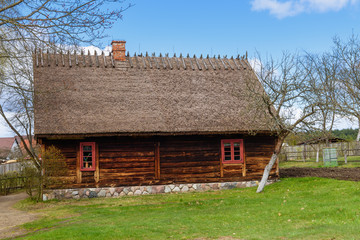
(143,190)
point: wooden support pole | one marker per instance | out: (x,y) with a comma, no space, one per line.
(97,168)
(157,160)
(244,162)
(78,172)
(221,164)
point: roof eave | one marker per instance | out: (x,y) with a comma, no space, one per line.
(148,134)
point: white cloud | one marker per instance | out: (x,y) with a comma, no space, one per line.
(288,8)
(92,50)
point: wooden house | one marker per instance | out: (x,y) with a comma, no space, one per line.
(137,120)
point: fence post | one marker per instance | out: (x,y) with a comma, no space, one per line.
(345,154)
(317,153)
(304,153)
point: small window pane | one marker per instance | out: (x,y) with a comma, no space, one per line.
(232,150)
(87,162)
(87,154)
(87,148)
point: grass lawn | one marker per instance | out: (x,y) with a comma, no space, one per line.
(353,161)
(301,208)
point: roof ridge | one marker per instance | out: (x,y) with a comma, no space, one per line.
(140,61)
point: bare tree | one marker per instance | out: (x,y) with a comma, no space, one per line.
(347,55)
(322,69)
(29,24)
(288,98)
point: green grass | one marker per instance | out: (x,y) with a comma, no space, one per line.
(301,208)
(353,161)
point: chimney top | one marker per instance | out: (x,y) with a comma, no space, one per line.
(118,50)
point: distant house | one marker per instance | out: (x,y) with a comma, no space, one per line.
(12,148)
(146,120)
(8,146)
(320,140)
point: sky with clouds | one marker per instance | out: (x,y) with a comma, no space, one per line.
(233,27)
(291,8)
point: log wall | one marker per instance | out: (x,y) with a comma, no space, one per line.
(126,161)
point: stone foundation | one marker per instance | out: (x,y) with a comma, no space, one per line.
(143,190)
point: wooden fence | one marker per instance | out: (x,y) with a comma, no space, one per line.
(9,167)
(10,183)
(312,151)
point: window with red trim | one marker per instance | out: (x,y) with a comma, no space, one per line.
(87,156)
(232,150)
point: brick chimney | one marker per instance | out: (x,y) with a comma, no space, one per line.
(118,50)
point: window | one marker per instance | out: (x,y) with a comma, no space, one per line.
(232,150)
(87,156)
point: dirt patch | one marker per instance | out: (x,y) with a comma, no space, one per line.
(10,218)
(352,174)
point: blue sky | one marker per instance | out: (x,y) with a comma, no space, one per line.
(232,27)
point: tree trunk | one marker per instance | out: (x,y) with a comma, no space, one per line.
(270,165)
(358,135)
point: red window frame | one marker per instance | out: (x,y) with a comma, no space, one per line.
(93,156)
(233,153)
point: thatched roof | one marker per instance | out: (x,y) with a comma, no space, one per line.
(94,95)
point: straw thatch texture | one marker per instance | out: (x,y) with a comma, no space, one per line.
(143,95)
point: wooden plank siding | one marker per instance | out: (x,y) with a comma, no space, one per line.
(129,162)
(126,161)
